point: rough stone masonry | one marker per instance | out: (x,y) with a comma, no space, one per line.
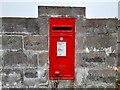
(24,50)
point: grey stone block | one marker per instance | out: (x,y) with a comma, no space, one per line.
(81,74)
(80,22)
(118,59)
(112,23)
(96,26)
(43,58)
(44,76)
(80,43)
(70,11)
(19,59)
(102,25)
(105,75)
(31,74)
(0,83)
(11,42)
(32,26)
(12,58)
(93,59)
(118,47)
(110,61)
(36,43)
(32,60)
(0,24)
(118,35)
(20,26)
(113,55)
(118,54)
(102,42)
(14,24)
(35,77)
(0,41)
(1,59)
(118,23)
(79,61)
(17,26)
(11,78)
(43,25)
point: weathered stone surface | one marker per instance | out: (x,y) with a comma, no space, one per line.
(118,59)
(110,61)
(118,35)
(12,58)
(36,43)
(118,23)
(101,25)
(43,58)
(118,54)
(81,75)
(80,26)
(112,23)
(11,78)
(93,59)
(63,11)
(0,80)
(14,24)
(32,60)
(19,59)
(90,43)
(43,25)
(35,77)
(11,42)
(20,26)
(118,47)
(32,26)
(113,55)
(1,59)
(107,76)
(79,60)
(17,26)
(0,41)
(80,40)
(96,26)
(44,76)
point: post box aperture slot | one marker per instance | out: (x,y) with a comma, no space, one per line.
(61,28)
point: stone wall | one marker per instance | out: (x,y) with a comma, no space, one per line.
(25,50)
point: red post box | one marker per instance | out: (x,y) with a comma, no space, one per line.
(62,48)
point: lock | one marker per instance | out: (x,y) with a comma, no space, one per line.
(62,48)
(61,38)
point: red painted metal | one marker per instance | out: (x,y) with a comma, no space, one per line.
(62,48)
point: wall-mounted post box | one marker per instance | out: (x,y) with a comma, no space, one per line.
(62,48)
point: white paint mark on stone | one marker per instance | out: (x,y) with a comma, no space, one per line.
(94,49)
(108,50)
(87,50)
(81,74)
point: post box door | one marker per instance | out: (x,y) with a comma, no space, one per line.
(62,48)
